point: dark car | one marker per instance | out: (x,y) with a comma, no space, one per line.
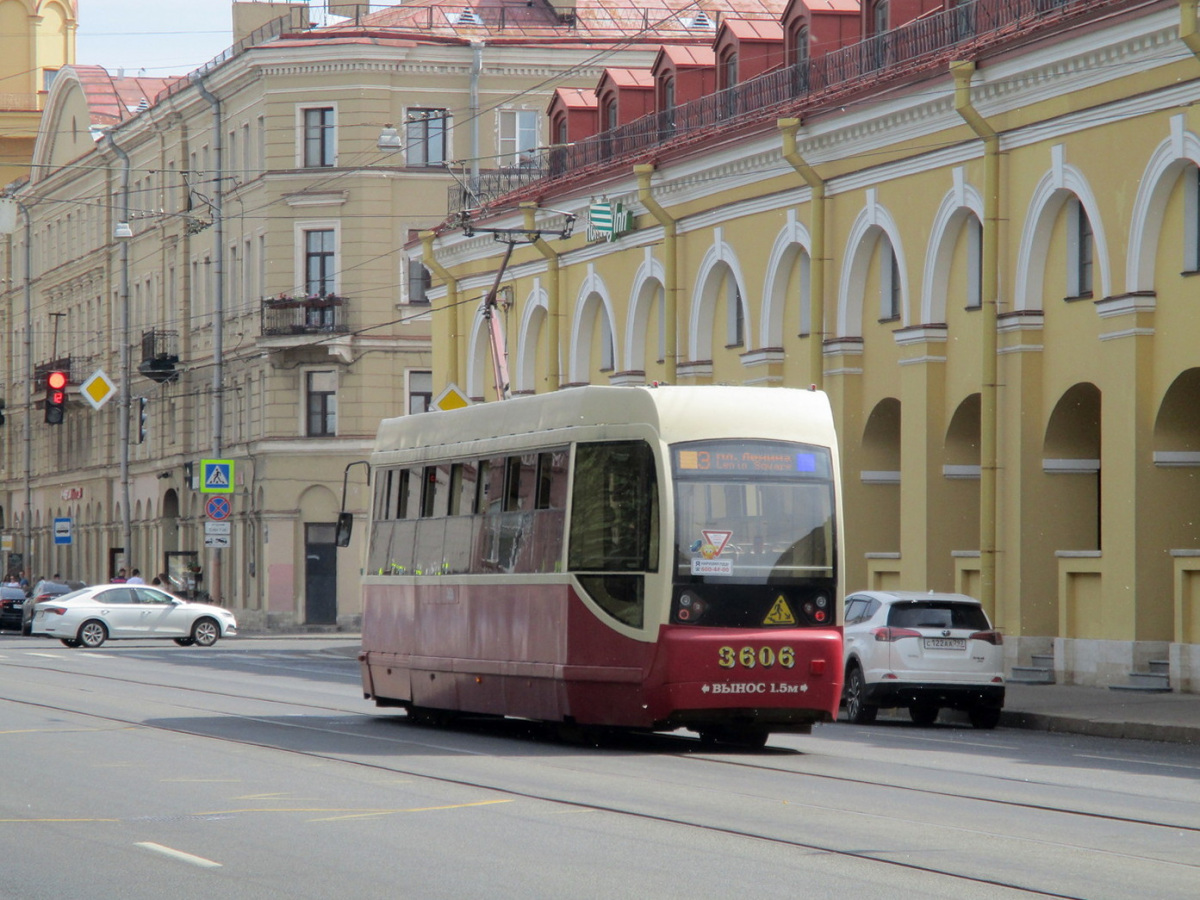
(12,607)
(49,590)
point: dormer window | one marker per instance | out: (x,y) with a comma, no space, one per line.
(700,20)
(468,16)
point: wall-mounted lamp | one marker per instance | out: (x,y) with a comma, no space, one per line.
(389,139)
(122,232)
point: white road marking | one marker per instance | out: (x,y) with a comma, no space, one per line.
(179,855)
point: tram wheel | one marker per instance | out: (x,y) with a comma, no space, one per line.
(748,737)
(427,715)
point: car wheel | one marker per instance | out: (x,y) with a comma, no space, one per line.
(923,713)
(205,632)
(92,634)
(858,710)
(185,642)
(70,642)
(984,716)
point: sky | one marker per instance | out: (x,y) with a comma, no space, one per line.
(164,37)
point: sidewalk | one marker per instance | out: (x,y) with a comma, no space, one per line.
(1171,717)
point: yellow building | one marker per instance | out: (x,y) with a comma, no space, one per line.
(980,233)
(226,249)
(37,38)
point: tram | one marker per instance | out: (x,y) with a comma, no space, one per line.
(648,558)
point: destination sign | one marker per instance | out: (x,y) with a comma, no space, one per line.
(749,458)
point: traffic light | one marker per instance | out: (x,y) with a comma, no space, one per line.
(141,419)
(56,397)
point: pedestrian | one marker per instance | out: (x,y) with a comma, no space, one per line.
(119,578)
(135,577)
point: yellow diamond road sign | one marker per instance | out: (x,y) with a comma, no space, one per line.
(98,389)
(450,398)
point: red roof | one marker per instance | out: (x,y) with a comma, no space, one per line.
(756,30)
(586,20)
(685,56)
(576,98)
(114,99)
(630,78)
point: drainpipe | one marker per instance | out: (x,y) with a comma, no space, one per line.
(553,295)
(126,370)
(1188,32)
(451,308)
(816,269)
(671,266)
(988,401)
(28,524)
(476,70)
(218,423)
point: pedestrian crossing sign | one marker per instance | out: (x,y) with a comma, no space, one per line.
(216,476)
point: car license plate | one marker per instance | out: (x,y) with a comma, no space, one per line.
(945,643)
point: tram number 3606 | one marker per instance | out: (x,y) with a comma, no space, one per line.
(749,657)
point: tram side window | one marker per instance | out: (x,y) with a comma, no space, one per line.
(551,481)
(614,512)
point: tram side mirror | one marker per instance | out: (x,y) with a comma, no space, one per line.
(345,525)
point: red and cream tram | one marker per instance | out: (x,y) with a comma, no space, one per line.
(636,557)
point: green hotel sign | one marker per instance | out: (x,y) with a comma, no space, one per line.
(608,221)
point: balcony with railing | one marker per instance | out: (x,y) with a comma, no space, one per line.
(160,356)
(927,41)
(305,321)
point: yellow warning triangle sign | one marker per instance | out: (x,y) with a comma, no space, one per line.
(780,614)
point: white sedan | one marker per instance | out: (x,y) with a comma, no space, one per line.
(89,617)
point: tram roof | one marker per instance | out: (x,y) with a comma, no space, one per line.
(596,412)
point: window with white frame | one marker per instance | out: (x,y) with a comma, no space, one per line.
(320,250)
(1080,250)
(319,149)
(889,282)
(419,283)
(1191,220)
(974,236)
(320,403)
(735,315)
(420,391)
(518,136)
(425,137)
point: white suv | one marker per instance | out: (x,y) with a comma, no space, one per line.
(923,651)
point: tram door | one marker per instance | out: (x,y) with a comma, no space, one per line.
(320,573)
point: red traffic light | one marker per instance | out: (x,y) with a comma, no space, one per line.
(56,381)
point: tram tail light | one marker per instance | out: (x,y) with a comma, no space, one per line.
(816,667)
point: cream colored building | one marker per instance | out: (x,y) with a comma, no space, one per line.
(260,308)
(987,253)
(37,38)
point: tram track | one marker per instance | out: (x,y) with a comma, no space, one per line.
(660,744)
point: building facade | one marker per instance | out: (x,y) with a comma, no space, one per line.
(37,38)
(226,250)
(976,228)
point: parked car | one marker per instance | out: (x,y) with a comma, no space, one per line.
(927,652)
(45,590)
(12,607)
(89,617)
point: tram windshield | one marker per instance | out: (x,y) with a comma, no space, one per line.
(753,511)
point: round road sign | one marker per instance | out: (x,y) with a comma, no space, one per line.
(217,508)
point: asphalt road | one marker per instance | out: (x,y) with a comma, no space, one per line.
(255,770)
